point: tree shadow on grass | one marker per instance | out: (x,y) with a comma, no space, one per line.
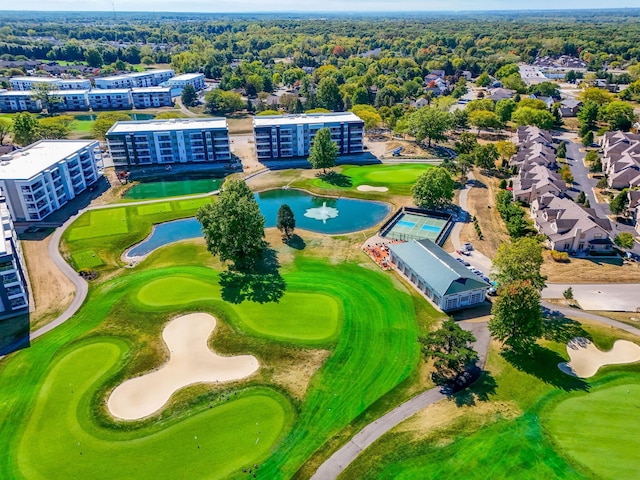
(262,284)
(336,179)
(484,386)
(559,328)
(542,363)
(296,242)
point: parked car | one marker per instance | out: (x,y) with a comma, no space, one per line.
(462,252)
(468,247)
(492,292)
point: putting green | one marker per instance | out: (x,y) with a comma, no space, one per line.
(601,430)
(60,442)
(87,259)
(386,174)
(101,223)
(307,317)
(177,290)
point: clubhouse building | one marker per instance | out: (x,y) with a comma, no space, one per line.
(14,296)
(446,282)
(286,136)
(177,140)
(39,179)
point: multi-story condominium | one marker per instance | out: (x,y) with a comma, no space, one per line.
(151,78)
(19,101)
(71,100)
(146,97)
(111,98)
(14,296)
(27,83)
(39,179)
(292,135)
(181,140)
(196,80)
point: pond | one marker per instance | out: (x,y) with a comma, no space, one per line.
(134,116)
(317,214)
(173,188)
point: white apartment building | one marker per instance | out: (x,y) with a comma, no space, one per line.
(72,99)
(150,78)
(283,136)
(39,179)
(179,140)
(27,83)
(19,101)
(147,97)
(196,80)
(110,98)
(14,295)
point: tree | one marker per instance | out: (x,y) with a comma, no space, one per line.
(624,240)
(596,95)
(369,116)
(467,143)
(507,70)
(430,123)
(464,163)
(222,102)
(562,150)
(328,94)
(323,152)
(450,348)
(545,89)
(619,115)
(532,116)
(486,155)
(587,139)
(565,173)
(54,128)
(568,293)
(360,96)
(94,58)
(189,96)
(532,103)
(517,317)
(25,128)
(5,129)
(45,93)
(506,149)
(434,188)
(233,226)
(588,116)
(104,121)
(581,198)
(505,109)
(484,119)
(519,261)
(483,80)
(286,222)
(619,203)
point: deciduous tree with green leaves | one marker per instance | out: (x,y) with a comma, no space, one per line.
(624,240)
(104,121)
(233,226)
(485,156)
(450,348)
(484,119)
(5,129)
(286,221)
(434,188)
(430,123)
(323,152)
(189,96)
(519,260)
(619,203)
(25,128)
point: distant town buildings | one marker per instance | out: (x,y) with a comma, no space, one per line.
(196,80)
(183,140)
(14,296)
(286,136)
(28,83)
(39,179)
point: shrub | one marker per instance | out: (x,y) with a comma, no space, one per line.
(560,257)
(602,183)
(568,293)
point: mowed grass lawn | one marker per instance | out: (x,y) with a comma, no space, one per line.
(59,427)
(108,232)
(397,178)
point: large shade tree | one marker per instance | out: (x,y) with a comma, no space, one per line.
(286,221)
(323,152)
(519,261)
(233,226)
(430,123)
(434,188)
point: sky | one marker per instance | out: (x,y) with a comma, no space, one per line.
(307,6)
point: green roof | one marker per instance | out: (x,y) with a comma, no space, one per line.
(444,274)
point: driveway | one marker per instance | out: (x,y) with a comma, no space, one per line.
(613,297)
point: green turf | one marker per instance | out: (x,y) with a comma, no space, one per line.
(173,188)
(601,430)
(102,223)
(87,259)
(57,444)
(154,208)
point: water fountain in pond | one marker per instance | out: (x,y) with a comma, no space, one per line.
(322,213)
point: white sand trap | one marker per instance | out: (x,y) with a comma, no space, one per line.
(369,188)
(586,358)
(190,362)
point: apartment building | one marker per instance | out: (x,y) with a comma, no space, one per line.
(196,80)
(27,83)
(39,179)
(180,140)
(284,136)
(14,296)
(110,98)
(19,101)
(71,99)
(147,97)
(150,78)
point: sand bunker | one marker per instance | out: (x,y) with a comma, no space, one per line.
(369,188)
(586,358)
(191,362)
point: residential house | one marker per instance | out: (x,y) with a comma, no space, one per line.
(570,107)
(570,227)
(634,207)
(436,274)
(421,102)
(497,94)
(537,180)
(621,159)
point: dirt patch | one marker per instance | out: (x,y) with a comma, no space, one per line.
(51,291)
(115,192)
(296,377)
(581,270)
(240,124)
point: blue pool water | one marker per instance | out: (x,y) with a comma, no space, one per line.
(353,215)
(431,228)
(405,223)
